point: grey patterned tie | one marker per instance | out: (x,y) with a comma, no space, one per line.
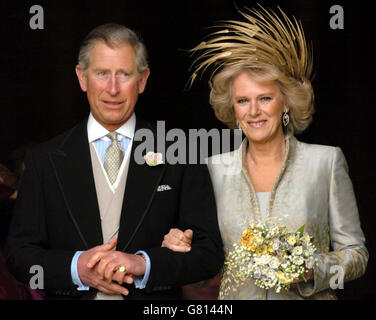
(113,158)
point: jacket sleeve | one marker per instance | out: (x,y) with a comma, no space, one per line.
(349,257)
(28,238)
(197,211)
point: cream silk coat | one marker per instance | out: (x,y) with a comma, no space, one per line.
(313,188)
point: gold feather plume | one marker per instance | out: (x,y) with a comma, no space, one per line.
(264,38)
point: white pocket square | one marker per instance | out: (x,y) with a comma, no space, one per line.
(164,187)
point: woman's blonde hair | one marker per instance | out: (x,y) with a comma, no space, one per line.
(268,47)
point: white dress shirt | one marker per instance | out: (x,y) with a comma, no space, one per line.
(97,135)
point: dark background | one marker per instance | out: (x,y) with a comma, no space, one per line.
(40,95)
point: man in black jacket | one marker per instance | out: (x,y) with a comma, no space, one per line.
(90,215)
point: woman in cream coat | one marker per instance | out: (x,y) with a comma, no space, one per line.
(263,88)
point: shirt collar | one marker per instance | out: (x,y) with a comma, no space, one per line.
(96,131)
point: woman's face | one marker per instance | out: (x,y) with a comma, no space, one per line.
(258,108)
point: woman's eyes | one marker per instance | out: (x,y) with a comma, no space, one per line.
(263,99)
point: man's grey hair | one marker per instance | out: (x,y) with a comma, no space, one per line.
(112,34)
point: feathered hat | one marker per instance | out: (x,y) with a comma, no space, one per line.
(264,38)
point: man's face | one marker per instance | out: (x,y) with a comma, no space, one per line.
(112,83)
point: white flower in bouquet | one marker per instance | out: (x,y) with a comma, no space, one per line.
(297,251)
(291,240)
(274,263)
(306,238)
(298,260)
(264,259)
(271,273)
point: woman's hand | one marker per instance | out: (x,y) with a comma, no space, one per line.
(177,240)
(308,275)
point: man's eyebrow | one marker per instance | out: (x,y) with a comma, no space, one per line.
(108,70)
(100,69)
(124,70)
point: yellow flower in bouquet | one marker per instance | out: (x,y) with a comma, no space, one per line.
(271,256)
(252,240)
(281,277)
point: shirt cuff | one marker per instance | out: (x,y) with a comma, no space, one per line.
(140,282)
(74,273)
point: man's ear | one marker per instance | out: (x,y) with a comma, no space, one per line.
(143,79)
(81,78)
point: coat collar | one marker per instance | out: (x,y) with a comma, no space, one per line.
(72,164)
(241,158)
(141,186)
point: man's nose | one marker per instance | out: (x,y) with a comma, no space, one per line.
(113,87)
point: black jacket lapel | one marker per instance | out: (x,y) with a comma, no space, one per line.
(141,185)
(74,173)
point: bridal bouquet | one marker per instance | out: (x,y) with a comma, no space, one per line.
(271,256)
